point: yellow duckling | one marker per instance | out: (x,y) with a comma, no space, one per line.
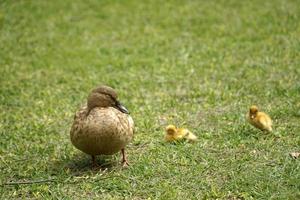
(259,120)
(103,126)
(179,134)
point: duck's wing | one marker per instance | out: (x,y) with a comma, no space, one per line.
(131,123)
(79,122)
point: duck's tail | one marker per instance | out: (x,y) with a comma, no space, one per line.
(191,137)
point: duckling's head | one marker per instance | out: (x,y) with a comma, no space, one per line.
(171,129)
(104,96)
(253,111)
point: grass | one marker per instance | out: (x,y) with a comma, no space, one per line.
(197,64)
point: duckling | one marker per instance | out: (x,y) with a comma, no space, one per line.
(103,126)
(295,155)
(259,120)
(179,134)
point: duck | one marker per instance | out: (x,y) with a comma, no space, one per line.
(103,125)
(259,119)
(174,134)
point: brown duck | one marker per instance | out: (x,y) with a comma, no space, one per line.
(103,126)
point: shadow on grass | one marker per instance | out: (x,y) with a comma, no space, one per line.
(81,164)
(249,133)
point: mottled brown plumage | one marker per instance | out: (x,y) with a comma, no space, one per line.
(103,126)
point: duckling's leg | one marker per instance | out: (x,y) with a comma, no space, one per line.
(124,158)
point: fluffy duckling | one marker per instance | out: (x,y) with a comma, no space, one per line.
(259,120)
(179,134)
(103,126)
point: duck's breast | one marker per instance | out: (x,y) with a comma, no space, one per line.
(103,131)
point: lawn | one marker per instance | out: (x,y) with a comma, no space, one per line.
(196,64)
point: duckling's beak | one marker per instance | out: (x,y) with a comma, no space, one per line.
(121,108)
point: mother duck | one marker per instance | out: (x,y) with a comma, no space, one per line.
(103,126)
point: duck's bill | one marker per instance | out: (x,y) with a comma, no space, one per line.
(121,108)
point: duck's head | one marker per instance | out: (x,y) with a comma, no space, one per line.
(171,129)
(104,96)
(253,111)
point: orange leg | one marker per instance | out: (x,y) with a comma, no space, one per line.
(124,158)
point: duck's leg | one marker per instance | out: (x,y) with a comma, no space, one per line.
(94,163)
(124,158)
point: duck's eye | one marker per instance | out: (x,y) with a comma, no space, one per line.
(109,96)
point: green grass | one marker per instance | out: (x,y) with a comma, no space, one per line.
(197,64)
